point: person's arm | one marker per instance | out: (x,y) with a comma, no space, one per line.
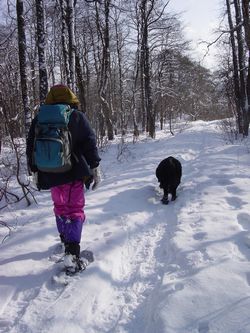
(88,143)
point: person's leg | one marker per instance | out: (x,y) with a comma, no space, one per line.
(72,235)
(59,200)
(69,204)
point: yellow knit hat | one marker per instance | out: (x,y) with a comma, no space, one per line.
(61,94)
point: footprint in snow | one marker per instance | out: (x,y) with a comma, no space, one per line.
(97,223)
(244,220)
(235,202)
(224,182)
(233,189)
(179,286)
(199,235)
(248,278)
(247,240)
(203,327)
(107,234)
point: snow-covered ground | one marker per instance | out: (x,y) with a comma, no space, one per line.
(177,268)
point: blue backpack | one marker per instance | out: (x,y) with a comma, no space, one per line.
(53,146)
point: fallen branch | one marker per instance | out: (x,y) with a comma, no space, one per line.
(4,224)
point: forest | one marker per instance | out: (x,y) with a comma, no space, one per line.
(129,62)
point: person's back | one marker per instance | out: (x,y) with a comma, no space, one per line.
(84,150)
(67,188)
(53,144)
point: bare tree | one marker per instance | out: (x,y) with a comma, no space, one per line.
(125,74)
(149,13)
(119,50)
(70,19)
(246,22)
(41,45)
(240,69)
(104,78)
(65,49)
(23,63)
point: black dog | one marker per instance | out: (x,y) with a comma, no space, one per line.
(169,173)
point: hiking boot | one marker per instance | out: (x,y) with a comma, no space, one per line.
(72,248)
(72,261)
(73,264)
(81,264)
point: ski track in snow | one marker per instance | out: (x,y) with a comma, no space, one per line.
(145,252)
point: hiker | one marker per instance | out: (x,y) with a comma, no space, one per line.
(66,182)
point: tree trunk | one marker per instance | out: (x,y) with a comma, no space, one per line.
(104,83)
(141,40)
(64,43)
(81,85)
(241,60)
(72,43)
(23,64)
(41,45)
(246,22)
(145,67)
(236,79)
(148,95)
(121,77)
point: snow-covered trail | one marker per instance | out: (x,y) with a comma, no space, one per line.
(175,269)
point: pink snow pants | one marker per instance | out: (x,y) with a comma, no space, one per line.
(69,204)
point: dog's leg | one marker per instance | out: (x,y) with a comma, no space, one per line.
(173,194)
(164,200)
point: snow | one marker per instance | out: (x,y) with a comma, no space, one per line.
(177,268)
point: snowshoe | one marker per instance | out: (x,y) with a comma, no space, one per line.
(73,264)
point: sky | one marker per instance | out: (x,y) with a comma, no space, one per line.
(177,268)
(3,8)
(201,18)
